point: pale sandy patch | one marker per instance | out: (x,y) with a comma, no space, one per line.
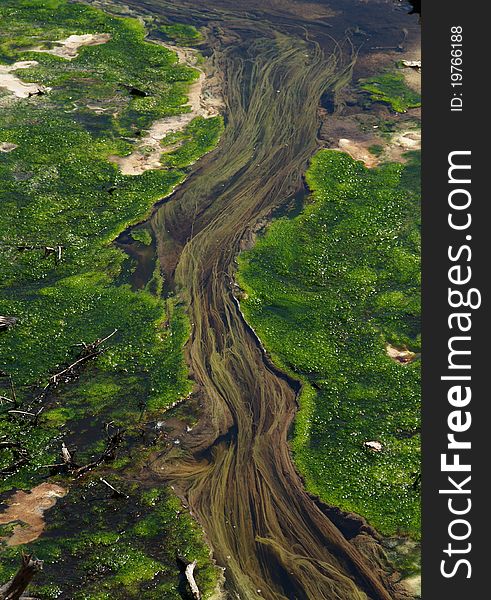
(7,146)
(413,78)
(394,151)
(29,508)
(13,84)
(402,142)
(402,355)
(358,151)
(413,585)
(69,47)
(203,101)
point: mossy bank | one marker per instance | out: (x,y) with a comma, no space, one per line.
(331,292)
(63,203)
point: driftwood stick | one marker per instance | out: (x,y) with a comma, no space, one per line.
(7,322)
(5,399)
(4,443)
(57,250)
(189,568)
(15,588)
(88,352)
(189,572)
(26,413)
(12,390)
(13,394)
(69,370)
(65,453)
(99,342)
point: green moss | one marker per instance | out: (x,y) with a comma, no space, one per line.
(94,546)
(326,291)
(392,89)
(113,69)
(199,137)
(181,34)
(142,235)
(59,187)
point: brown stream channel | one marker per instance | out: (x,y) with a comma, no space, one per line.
(277,59)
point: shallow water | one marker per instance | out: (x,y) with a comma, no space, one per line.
(278,58)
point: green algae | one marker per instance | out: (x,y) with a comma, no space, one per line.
(391,89)
(107,549)
(181,33)
(142,235)
(199,137)
(376,149)
(326,291)
(60,188)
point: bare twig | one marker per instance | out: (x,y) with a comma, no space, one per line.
(71,467)
(5,399)
(12,390)
(65,453)
(13,394)
(116,493)
(89,352)
(26,413)
(48,250)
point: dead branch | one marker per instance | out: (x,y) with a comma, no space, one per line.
(70,467)
(5,399)
(13,393)
(96,343)
(88,352)
(67,374)
(65,453)
(15,588)
(25,413)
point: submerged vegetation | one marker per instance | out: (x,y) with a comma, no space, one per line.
(181,34)
(63,203)
(392,89)
(201,135)
(329,292)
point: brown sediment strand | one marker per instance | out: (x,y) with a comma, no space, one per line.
(235,468)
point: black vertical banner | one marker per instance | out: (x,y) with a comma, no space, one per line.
(456,308)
